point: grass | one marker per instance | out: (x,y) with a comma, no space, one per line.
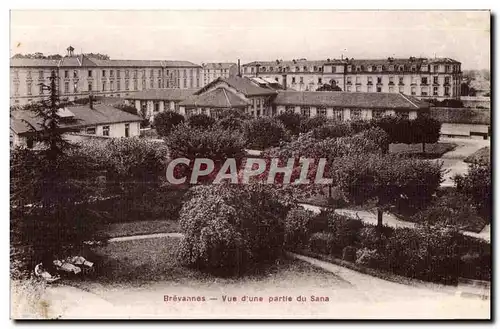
(139,262)
(481,154)
(113,230)
(435,150)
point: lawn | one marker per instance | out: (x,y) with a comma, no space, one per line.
(113,230)
(148,261)
(481,154)
(432,151)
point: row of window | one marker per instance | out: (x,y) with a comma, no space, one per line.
(357,68)
(424,91)
(106,129)
(338,114)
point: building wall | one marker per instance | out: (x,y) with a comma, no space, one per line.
(78,82)
(341,114)
(212,72)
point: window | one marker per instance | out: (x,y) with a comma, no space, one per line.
(377,114)
(184,83)
(118,85)
(369,89)
(356,114)
(118,73)
(305,69)
(379,68)
(66,74)
(151,73)
(391,67)
(75,74)
(404,115)
(127,85)
(358,68)
(135,74)
(90,73)
(358,88)
(447,91)
(159,72)
(358,80)
(401,89)
(379,89)
(413,91)
(90,130)
(16,88)
(413,80)
(16,74)
(111,86)
(401,68)
(374,68)
(157,106)
(135,85)
(447,68)
(423,81)
(435,91)
(391,89)
(446,80)
(349,80)
(436,68)
(349,88)
(75,87)
(319,81)
(338,114)
(370,80)
(29,142)
(293,79)
(391,80)
(143,84)
(322,111)
(40,90)
(379,80)
(66,87)
(252,69)
(301,79)
(349,68)
(401,80)
(28,87)
(104,86)
(90,86)
(103,73)
(28,75)
(413,68)
(435,80)
(105,130)
(290,109)
(111,73)
(40,74)
(151,83)
(424,91)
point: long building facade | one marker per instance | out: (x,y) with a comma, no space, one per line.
(423,78)
(79,76)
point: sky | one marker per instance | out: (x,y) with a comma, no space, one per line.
(226,36)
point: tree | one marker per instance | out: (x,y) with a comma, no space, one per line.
(232,119)
(165,122)
(332,86)
(308,124)
(264,132)
(386,179)
(476,185)
(424,129)
(201,121)
(291,122)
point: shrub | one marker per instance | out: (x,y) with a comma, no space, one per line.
(265,132)
(309,124)
(232,120)
(291,122)
(367,257)
(476,185)
(297,226)
(344,230)
(332,131)
(228,228)
(349,253)
(378,136)
(165,122)
(200,121)
(319,223)
(321,242)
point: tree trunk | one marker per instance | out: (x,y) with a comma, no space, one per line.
(329,191)
(423,147)
(380,213)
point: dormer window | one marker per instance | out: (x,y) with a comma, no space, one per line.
(305,69)
(401,68)
(358,68)
(315,68)
(379,68)
(297,69)
(349,68)
(391,67)
(413,68)
(373,68)
(271,69)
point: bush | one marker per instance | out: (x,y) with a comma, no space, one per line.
(476,185)
(230,228)
(200,121)
(332,131)
(321,242)
(319,223)
(265,132)
(165,122)
(367,257)
(233,120)
(297,226)
(308,124)
(291,122)
(344,230)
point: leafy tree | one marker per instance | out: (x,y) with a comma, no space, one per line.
(291,122)
(232,120)
(229,229)
(384,180)
(165,122)
(425,129)
(476,185)
(264,132)
(332,86)
(308,124)
(200,121)
(332,130)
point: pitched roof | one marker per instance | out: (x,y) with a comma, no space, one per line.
(83,116)
(218,66)
(171,94)
(77,61)
(243,84)
(298,62)
(349,99)
(32,62)
(217,98)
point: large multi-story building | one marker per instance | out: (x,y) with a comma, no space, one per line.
(212,71)
(420,77)
(79,75)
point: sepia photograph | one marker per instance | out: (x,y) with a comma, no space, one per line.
(250,164)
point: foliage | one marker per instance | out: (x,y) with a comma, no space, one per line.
(446,102)
(291,122)
(321,242)
(264,132)
(345,232)
(232,120)
(308,124)
(379,138)
(451,209)
(297,227)
(483,154)
(165,122)
(329,87)
(333,130)
(476,185)
(200,121)
(127,108)
(230,228)
(386,179)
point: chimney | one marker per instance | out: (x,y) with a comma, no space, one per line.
(284,82)
(239,68)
